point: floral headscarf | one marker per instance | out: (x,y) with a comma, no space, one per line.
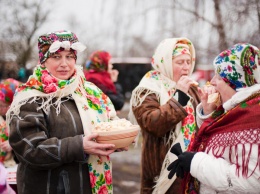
(98,61)
(239,66)
(7,89)
(58,41)
(162,59)
(180,49)
(160,80)
(97,70)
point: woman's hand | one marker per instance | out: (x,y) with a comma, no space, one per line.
(5,146)
(91,147)
(184,84)
(113,74)
(204,93)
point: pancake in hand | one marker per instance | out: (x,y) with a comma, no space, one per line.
(194,83)
(214,97)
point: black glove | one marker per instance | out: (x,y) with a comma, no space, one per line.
(183,97)
(176,149)
(182,164)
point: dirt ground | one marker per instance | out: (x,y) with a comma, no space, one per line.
(126,171)
(126,166)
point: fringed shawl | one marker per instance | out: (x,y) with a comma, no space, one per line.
(160,82)
(227,130)
(93,106)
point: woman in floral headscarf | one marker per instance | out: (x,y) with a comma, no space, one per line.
(100,72)
(7,91)
(225,157)
(50,120)
(164,104)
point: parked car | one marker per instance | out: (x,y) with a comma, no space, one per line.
(131,70)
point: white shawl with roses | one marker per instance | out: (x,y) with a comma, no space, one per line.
(93,106)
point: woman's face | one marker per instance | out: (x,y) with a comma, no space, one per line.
(181,65)
(4,106)
(61,65)
(225,91)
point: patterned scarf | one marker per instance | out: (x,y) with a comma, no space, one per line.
(160,82)
(180,49)
(7,89)
(3,137)
(215,134)
(91,102)
(58,41)
(238,66)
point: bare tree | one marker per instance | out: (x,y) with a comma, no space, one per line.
(222,43)
(26,18)
(257,2)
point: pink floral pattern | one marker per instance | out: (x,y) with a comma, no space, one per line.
(49,82)
(103,190)
(189,126)
(3,137)
(7,89)
(93,179)
(49,38)
(43,81)
(2,96)
(108,177)
(101,183)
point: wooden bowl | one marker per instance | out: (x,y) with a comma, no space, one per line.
(120,138)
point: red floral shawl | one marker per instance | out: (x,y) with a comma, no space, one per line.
(240,125)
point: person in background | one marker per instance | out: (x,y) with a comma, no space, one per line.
(225,156)
(164,105)
(7,91)
(4,186)
(51,120)
(22,74)
(100,72)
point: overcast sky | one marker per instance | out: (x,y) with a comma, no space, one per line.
(77,15)
(114,25)
(65,9)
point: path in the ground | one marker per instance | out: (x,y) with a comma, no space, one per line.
(126,166)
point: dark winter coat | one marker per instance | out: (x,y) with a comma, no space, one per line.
(50,150)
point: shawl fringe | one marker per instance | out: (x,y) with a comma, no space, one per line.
(233,140)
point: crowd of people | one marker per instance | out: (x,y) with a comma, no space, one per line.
(189,145)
